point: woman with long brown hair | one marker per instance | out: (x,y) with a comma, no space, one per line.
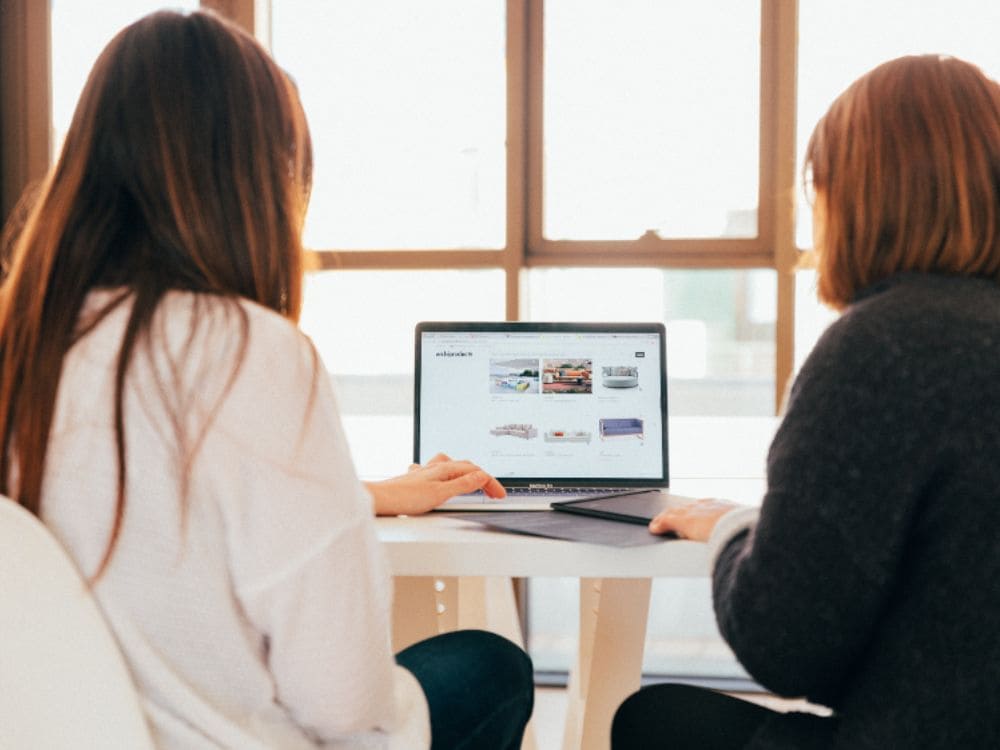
(867,581)
(164,416)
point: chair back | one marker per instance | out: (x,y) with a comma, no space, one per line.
(63,681)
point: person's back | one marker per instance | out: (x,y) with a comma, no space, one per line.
(866,582)
(882,489)
(163,414)
(929,676)
(211,582)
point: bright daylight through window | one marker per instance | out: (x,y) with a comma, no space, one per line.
(565,160)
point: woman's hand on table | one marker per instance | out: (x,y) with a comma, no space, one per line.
(692,520)
(426,486)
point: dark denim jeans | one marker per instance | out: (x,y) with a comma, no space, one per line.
(479,686)
(682,717)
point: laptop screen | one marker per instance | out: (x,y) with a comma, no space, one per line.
(559,403)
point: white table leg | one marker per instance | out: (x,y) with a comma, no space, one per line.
(414,611)
(613,615)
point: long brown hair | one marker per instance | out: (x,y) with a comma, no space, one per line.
(187,167)
(906,167)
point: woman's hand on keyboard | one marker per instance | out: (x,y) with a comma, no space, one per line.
(424,487)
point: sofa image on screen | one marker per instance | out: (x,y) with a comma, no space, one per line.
(567,436)
(513,383)
(567,376)
(620,377)
(526,431)
(621,428)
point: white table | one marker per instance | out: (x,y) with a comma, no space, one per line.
(457,574)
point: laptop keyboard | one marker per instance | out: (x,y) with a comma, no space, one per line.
(531,498)
(557,491)
(546,494)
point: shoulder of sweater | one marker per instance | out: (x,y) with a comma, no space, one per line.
(914,295)
(901,317)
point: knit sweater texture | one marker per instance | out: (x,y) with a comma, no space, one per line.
(871,581)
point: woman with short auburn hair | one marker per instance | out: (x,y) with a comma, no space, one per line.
(905,168)
(867,580)
(167,420)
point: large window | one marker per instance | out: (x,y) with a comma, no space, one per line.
(575,161)
(537,140)
(553,160)
(651,115)
(407,102)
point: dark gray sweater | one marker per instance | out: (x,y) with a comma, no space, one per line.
(871,583)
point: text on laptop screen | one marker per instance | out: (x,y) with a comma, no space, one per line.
(554,404)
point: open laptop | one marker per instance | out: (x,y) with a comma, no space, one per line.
(555,411)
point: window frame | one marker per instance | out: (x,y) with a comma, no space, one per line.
(25,106)
(25,114)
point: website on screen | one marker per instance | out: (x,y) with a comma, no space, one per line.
(544,404)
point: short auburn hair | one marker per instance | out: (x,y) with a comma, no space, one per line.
(906,171)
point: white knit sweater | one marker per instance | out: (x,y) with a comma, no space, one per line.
(258,617)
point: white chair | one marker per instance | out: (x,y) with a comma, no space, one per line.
(63,681)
